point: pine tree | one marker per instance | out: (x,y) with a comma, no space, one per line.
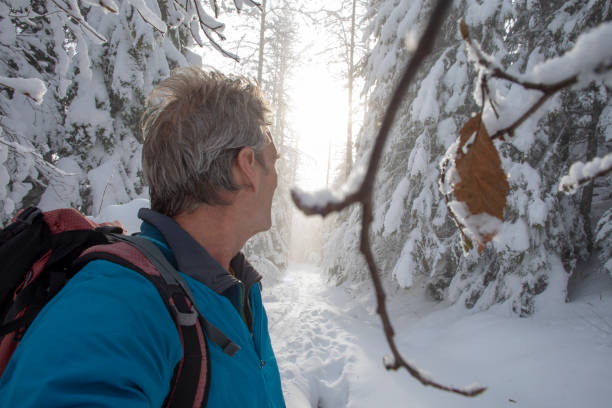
(545,233)
(80,147)
(34,43)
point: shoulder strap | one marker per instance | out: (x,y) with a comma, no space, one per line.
(191,380)
(172,277)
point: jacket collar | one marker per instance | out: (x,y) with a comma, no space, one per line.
(190,257)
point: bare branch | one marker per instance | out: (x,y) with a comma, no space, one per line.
(364,193)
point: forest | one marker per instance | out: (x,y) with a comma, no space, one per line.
(447,209)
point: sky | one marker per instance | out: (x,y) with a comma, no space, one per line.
(319,119)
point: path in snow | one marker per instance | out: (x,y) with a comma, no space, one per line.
(329,349)
(312,349)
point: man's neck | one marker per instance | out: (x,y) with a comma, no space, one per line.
(217,229)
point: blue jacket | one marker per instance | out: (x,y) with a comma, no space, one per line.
(107,338)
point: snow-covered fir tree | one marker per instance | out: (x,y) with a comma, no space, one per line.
(80,146)
(545,233)
(99,64)
(34,45)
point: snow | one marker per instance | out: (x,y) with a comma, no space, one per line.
(592,50)
(447,132)
(64,189)
(316,199)
(107,5)
(537,212)
(513,236)
(149,16)
(479,226)
(479,11)
(425,105)
(330,347)
(33,88)
(393,216)
(126,214)
(580,172)
(405,266)
(320,198)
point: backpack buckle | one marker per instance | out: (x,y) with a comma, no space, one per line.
(185,318)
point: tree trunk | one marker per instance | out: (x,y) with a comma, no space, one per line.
(262,30)
(587,191)
(351,73)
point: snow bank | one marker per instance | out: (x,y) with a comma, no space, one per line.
(126,214)
(330,349)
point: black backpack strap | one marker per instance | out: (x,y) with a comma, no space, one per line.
(191,380)
(171,277)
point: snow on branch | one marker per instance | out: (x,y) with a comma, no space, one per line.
(589,59)
(149,16)
(215,7)
(240,4)
(108,5)
(216,45)
(581,173)
(33,88)
(48,169)
(324,203)
(72,10)
(208,24)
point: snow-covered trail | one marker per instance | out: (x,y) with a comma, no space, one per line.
(311,346)
(330,348)
(327,352)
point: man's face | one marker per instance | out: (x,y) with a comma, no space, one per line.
(268,182)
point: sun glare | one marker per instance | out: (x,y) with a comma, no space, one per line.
(319,117)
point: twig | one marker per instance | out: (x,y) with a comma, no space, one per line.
(598,167)
(215,7)
(219,48)
(364,196)
(42,165)
(206,28)
(496,71)
(81,22)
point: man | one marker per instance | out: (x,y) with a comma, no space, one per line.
(107,338)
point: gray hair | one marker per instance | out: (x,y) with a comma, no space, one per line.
(194,125)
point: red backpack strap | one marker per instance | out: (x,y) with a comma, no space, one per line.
(191,381)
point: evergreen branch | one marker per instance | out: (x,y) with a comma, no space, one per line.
(81,22)
(496,71)
(219,48)
(364,193)
(215,7)
(41,164)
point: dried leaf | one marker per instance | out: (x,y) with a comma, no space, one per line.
(483,186)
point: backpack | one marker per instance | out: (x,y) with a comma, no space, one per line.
(41,251)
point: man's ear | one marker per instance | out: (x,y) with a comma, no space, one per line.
(244,168)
